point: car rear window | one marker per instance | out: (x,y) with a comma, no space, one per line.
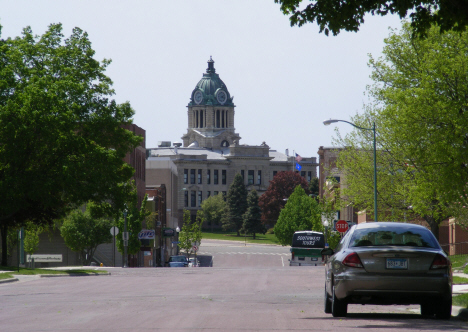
(393,236)
(308,240)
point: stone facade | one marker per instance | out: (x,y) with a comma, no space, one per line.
(212,155)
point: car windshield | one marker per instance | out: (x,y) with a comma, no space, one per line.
(178,259)
(393,236)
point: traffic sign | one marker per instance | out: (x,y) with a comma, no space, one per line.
(114,230)
(195,248)
(342,226)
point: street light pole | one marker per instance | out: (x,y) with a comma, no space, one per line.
(330,121)
(125,238)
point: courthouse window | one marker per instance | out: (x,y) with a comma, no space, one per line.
(250,178)
(192,176)
(185,176)
(208,176)
(215,180)
(199,176)
(193,199)
(223,176)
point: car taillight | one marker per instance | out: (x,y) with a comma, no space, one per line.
(352,260)
(439,262)
(292,254)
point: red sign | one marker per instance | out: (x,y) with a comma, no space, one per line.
(341,226)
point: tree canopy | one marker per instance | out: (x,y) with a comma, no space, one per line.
(279,190)
(338,15)
(419,107)
(61,137)
(212,210)
(301,213)
(82,232)
(190,234)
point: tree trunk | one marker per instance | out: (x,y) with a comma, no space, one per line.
(434,226)
(4,232)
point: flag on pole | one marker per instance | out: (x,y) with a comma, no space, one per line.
(298,158)
(298,167)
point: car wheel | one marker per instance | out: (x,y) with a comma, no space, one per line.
(444,309)
(327,302)
(339,307)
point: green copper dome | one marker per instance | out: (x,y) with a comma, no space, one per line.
(211,90)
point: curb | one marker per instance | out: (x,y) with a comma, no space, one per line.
(4,281)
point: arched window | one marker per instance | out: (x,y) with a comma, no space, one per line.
(201,119)
(224,144)
(222,119)
(196,119)
(217,119)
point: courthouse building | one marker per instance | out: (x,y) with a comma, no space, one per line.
(211,154)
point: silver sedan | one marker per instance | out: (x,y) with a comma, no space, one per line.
(388,263)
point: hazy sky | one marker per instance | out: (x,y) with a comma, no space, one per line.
(285,80)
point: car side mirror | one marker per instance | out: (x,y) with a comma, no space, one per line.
(327,252)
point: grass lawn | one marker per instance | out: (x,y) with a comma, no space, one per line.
(27,271)
(231,236)
(458,261)
(460,300)
(460,280)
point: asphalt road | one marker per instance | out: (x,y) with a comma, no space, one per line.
(247,289)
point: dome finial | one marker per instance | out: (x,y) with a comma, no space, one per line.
(210,68)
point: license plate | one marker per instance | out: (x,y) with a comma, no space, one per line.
(314,258)
(397,263)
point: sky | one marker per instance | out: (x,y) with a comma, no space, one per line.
(286,80)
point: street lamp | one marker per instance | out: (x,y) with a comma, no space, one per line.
(125,237)
(177,231)
(330,121)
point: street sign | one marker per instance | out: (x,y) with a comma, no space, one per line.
(195,248)
(342,226)
(114,230)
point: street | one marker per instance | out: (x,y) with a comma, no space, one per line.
(249,288)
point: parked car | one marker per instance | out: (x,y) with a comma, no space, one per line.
(193,262)
(178,261)
(306,248)
(388,263)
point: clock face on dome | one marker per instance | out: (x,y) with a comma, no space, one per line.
(198,97)
(221,97)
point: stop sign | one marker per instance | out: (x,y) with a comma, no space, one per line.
(341,226)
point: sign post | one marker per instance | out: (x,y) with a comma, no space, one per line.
(114,231)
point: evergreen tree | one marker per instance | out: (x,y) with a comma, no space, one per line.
(252,218)
(236,205)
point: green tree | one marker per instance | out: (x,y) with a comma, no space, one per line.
(31,237)
(135,218)
(253,216)
(213,208)
(337,15)
(190,234)
(61,135)
(314,187)
(301,213)
(83,233)
(236,205)
(420,111)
